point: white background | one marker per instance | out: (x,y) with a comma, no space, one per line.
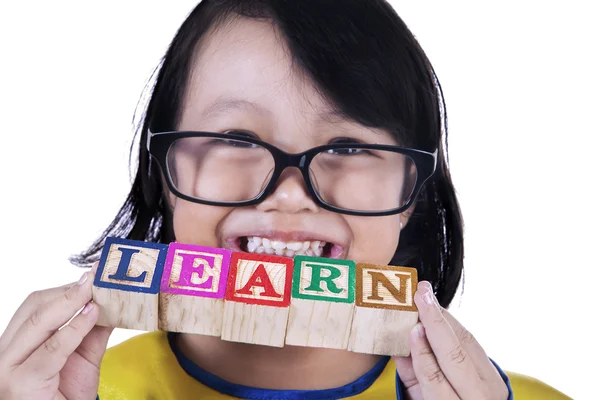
(521,81)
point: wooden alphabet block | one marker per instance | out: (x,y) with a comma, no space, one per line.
(322,302)
(127,283)
(257,299)
(192,289)
(385,312)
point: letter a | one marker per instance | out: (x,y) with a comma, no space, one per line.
(259,278)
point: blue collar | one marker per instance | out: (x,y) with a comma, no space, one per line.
(246,392)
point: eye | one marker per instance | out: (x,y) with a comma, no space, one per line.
(347,151)
(240,143)
(242,133)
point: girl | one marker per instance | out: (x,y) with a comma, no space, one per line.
(244,83)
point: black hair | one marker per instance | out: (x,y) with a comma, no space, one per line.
(363,58)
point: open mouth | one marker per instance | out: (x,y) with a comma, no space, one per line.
(314,248)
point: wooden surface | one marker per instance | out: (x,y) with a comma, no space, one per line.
(386,286)
(260,279)
(322,303)
(139,274)
(126,284)
(256,324)
(192,289)
(381,331)
(385,311)
(126,309)
(195,271)
(257,299)
(314,323)
(190,314)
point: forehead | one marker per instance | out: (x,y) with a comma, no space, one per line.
(247,59)
(243,77)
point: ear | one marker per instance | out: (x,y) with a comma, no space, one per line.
(405,216)
(168,196)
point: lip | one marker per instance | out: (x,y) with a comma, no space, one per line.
(232,241)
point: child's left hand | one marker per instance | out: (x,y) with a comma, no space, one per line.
(446,361)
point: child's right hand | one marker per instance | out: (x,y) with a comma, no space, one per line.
(39,361)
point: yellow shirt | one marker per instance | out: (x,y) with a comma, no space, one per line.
(146,367)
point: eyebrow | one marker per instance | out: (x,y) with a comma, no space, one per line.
(223,104)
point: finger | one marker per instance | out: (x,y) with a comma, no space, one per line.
(466,338)
(87,357)
(487,371)
(94,268)
(93,346)
(406,373)
(433,383)
(49,358)
(453,359)
(46,320)
(33,302)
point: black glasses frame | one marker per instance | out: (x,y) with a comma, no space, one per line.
(158,144)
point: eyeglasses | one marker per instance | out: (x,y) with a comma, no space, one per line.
(229,169)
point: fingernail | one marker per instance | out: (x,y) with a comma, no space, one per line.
(87,308)
(428,297)
(420,330)
(83,278)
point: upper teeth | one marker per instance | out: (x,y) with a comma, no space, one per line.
(289,249)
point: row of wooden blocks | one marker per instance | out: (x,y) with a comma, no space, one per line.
(256,298)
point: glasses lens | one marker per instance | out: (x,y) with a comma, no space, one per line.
(219,169)
(363,179)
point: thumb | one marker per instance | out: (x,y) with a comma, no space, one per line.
(93,346)
(406,373)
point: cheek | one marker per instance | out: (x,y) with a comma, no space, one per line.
(374,239)
(196,223)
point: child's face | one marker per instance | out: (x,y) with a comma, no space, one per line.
(243,79)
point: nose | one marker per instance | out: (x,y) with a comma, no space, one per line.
(290,195)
